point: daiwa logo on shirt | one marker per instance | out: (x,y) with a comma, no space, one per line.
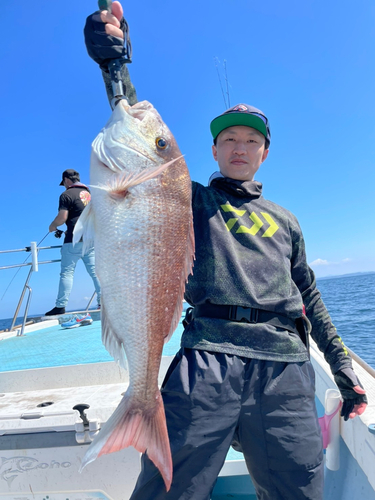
(256,220)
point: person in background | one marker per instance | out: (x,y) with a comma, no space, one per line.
(243,376)
(71,204)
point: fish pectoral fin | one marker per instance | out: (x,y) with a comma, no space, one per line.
(121,184)
(84,228)
(144,430)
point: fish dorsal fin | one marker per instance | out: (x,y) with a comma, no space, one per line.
(84,228)
(186,270)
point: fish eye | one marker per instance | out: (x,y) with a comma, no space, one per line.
(161,143)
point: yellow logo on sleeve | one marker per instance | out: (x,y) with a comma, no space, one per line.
(343,345)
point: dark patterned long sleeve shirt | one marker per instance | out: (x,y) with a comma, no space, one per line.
(250,252)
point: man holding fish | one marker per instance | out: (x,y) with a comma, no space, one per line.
(242,376)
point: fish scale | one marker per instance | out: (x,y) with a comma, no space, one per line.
(140,219)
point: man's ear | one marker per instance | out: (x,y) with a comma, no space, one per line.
(214,152)
(265,154)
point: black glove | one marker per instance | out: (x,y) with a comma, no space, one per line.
(345,380)
(102,47)
(58,233)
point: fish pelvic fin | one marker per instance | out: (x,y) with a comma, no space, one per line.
(111,341)
(121,184)
(84,228)
(145,430)
(186,270)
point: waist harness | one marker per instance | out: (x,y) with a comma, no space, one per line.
(241,315)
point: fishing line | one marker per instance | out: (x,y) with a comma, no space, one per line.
(226,103)
(226,79)
(221,85)
(11,281)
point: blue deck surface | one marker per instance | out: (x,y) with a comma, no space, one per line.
(56,346)
(234,488)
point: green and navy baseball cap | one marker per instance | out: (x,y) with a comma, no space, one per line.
(242,114)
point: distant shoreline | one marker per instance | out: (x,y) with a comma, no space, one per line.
(348,275)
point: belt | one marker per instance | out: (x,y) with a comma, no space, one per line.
(244,315)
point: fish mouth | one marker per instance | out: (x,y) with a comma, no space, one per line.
(139,110)
(138,113)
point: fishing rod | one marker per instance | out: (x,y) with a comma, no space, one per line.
(115,65)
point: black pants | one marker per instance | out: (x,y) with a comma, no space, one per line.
(265,408)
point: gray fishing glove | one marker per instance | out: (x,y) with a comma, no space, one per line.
(346,380)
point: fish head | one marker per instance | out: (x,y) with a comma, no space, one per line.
(135,138)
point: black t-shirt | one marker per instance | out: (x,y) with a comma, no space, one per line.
(74,199)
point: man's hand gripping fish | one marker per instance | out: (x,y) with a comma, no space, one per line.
(140,219)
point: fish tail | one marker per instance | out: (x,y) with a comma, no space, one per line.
(145,430)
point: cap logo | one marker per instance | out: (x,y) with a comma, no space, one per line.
(240,107)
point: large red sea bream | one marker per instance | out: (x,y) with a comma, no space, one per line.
(140,219)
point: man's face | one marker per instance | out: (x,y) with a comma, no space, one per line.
(240,151)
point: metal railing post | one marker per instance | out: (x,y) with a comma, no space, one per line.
(34,267)
(89,304)
(21,299)
(26,310)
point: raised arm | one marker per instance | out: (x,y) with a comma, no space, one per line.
(105,33)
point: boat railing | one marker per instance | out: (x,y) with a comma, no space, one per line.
(362,363)
(34,250)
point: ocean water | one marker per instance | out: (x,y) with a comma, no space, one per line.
(349,299)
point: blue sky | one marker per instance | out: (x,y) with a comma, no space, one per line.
(308,65)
